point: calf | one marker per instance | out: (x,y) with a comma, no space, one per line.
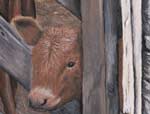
(56,59)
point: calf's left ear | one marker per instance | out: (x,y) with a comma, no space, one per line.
(28,28)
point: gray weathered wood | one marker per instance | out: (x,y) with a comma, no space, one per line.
(72,5)
(15,56)
(146,57)
(70,108)
(137,53)
(127,62)
(94,70)
(111,36)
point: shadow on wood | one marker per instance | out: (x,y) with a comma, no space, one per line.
(146,57)
(72,5)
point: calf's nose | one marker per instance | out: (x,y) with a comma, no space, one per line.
(39,97)
(37,102)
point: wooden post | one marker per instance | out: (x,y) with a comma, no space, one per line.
(4,8)
(127,60)
(127,75)
(131,67)
(111,9)
(14,8)
(137,53)
(28,8)
(94,71)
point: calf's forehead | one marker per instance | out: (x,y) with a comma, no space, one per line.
(59,39)
(56,44)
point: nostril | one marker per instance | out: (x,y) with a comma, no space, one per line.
(44,102)
(37,103)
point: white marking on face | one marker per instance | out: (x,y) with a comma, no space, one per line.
(43,91)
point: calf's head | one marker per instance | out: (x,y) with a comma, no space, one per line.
(57,64)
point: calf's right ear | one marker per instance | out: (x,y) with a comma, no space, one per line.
(28,28)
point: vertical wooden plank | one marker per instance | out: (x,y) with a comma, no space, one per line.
(28,8)
(127,64)
(94,71)
(146,57)
(4,8)
(111,36)
(137,52)
(14,8)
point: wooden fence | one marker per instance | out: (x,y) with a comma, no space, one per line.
(116,51)
(116,76)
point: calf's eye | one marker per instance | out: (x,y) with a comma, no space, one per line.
(70,64)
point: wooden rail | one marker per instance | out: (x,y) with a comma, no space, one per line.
(15,56)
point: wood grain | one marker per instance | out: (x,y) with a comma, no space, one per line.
(15,56)
(137,53)
(146,57)
(72,5)
(94,71)
(127,64)
(111,38)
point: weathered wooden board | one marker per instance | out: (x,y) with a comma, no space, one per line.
(94,58)
(70,108)
(72,5)
(28,8)
(12,8)
(4,8)
(127,75)
(146,57)
(15,56)
(111,37)
(130,62)
(137,53)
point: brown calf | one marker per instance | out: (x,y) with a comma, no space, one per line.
(57,70)
(56,59)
